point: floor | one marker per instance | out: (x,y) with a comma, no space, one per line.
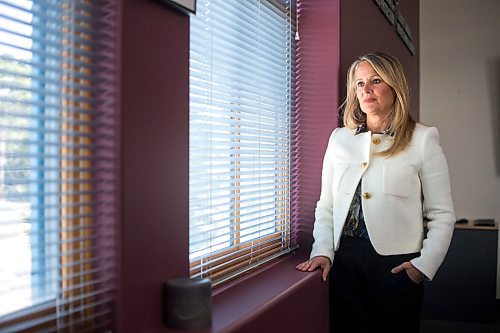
(436,326)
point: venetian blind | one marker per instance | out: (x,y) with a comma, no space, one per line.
(57,165)
(240,135)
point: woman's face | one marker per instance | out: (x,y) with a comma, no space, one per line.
(374,95)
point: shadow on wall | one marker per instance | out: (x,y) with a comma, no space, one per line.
(494,84)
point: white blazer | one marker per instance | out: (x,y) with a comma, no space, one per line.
(396,193)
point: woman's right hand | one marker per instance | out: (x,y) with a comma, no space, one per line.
(316,262)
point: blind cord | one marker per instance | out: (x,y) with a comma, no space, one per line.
(297,35)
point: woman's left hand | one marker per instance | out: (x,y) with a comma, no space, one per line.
(414,274)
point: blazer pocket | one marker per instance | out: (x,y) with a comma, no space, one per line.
(396,180)
(339,170)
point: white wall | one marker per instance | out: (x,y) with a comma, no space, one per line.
(460,94)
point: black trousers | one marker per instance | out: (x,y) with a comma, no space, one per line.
(365,297)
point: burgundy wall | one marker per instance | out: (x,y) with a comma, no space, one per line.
(316,104)
(323,63)
(155,97)
(154,115)
(365,29)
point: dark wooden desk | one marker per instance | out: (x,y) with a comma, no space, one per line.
(464,288)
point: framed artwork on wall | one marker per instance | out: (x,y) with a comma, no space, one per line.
(185,6)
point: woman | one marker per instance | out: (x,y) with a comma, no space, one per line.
(382,174)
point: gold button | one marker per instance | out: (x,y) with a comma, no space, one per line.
(376,141)
(364,164)
(367,195)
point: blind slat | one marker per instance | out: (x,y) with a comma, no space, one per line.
(256,234)
(243,254)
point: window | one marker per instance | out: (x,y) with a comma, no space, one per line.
(57,165)
(240,135)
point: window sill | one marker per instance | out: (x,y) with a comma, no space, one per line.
(255,301)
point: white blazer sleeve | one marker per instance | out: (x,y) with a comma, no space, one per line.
(437,204)
(323,224)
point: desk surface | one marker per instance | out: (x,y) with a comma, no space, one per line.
(470,226)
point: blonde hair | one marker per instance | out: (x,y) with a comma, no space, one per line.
(391,71)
